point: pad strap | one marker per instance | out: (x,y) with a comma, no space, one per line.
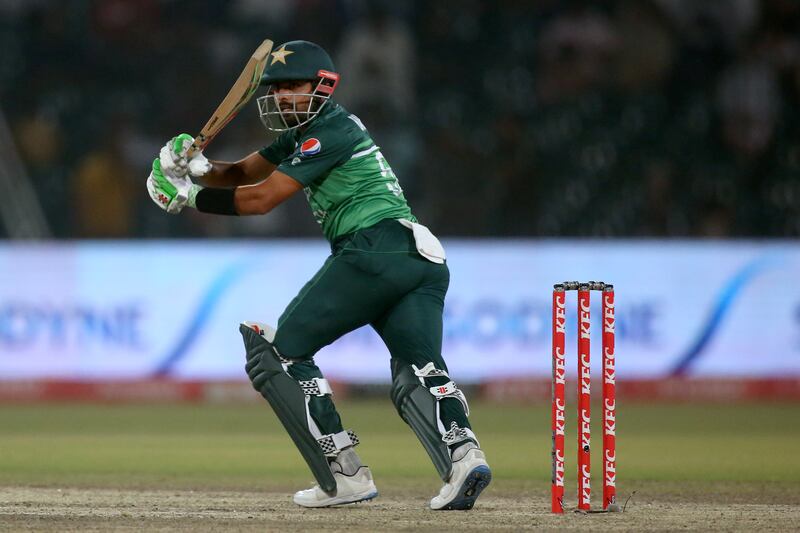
(333,443)
(285,362)
(457,434)
(428,371)
(448,390)
(316,387)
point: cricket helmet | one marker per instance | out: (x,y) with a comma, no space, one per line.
(296,61)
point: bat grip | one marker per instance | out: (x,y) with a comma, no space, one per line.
(198,144)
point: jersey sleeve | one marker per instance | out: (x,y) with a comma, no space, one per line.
(279,149)
(317,152)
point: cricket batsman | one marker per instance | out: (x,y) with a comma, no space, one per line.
(385,269)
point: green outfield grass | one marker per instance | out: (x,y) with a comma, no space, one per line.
(721,451)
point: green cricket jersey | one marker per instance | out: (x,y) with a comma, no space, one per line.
(348,183)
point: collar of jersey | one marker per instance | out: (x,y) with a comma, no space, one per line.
(330,108)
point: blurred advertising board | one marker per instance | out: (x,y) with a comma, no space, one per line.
(138,311)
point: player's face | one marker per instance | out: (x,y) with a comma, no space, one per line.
(293,97)
(291,104)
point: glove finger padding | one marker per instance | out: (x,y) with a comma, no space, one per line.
(172,164)
(174,161)
(173,154)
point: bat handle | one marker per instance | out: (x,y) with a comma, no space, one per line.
(198,144)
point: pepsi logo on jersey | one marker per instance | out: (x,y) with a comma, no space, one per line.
(310,147)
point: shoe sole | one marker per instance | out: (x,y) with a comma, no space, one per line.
(368,497)
(476,481)
(359,499)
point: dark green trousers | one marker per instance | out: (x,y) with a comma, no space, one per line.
(373,276)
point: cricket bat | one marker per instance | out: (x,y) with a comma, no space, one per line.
(241,92)
(243,89)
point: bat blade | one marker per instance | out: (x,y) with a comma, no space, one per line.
(239,94)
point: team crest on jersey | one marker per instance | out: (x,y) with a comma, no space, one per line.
(311,146)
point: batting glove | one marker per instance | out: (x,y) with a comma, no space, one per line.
(170,193)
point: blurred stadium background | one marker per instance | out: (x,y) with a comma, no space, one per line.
(650,143)
(655,118)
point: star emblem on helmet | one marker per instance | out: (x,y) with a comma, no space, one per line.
(280,55)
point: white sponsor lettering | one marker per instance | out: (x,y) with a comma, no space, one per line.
(608,315)
(609,354)
(585,488)
(586,429)
(560,416)
(609,417)
(559,368)
(558,468)
(585,320)
(585,376)
(609,374)
(610,469)
(561,313)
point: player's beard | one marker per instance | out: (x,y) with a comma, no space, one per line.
(295,114)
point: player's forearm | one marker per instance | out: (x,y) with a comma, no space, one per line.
(247,171)
(255,200)
(245,200)
(225,175)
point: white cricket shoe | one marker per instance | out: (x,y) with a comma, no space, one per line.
(471,474)
(349,489)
